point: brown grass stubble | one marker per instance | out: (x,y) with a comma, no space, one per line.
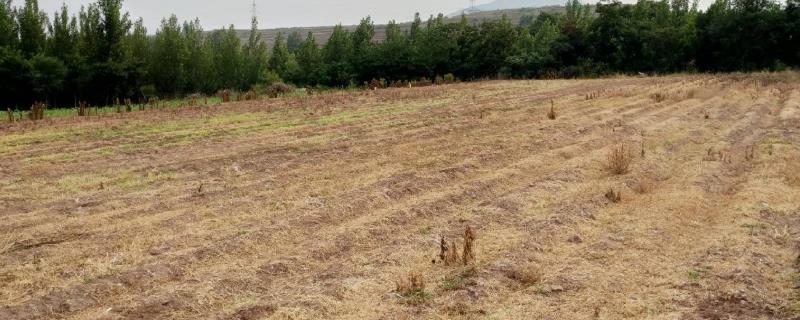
(502,173)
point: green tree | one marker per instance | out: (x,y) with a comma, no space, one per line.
(393,56)
(255,56)
(792,33)
(48,76)
(82,70)
(433,50)
(496,43)
(533,54)
(136,53)
(309,59)
(227,59)
(90,33)
(280,59)
(416,27)
(337,55)
(115,26)
(15,79)
(362,51)
(63,36)
(167,60)
(742,35)
(32,24)
(294,41)
(8,25)
(198,59)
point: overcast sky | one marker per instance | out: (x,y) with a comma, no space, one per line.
(272,13)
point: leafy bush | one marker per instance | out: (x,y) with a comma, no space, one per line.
(270,77)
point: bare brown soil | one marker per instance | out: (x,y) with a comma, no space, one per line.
(320,207)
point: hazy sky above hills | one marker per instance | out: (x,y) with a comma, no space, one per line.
(215,14)
(272,13)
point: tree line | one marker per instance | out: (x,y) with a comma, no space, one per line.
(101,54)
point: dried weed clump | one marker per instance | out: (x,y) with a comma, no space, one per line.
(192,99)
(614,196)
(279,89)
(721,156)
(412,288)
(552,115)
(792,174)
(619,160)
(527,275)
(153,102)
(448,251)
(643,185)
(750,153)
(83,109)
(658,97)
(469,253)
(225,95)
(37,111)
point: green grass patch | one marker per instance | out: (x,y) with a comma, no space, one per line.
(73,112)
(696,275)
(417,297)
(78,183)
(460,279)
(139,181)
(125,180)
(52,158)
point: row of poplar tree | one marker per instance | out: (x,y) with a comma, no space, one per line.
(101,54)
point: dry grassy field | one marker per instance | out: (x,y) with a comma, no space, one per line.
(334,206)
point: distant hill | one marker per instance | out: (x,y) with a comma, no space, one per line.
(510,4)
(322,34)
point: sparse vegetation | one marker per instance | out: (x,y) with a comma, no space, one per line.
(619,160)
